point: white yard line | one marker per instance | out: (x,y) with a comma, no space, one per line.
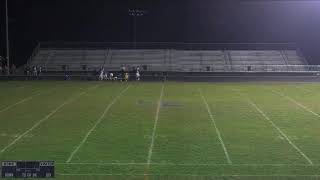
(102,163)
(96,174)
(295,102)
(25,100)
(277,128)
(43,119)
(21,87)
(216,128)
(303,89)
(19,102)
(194,175)
(96,123)
(183,164)
(156,118)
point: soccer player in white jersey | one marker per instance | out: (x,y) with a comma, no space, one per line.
(138,75)
(111,76)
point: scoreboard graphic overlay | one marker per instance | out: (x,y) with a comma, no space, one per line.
(27,169)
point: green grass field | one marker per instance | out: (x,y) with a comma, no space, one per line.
(96,130)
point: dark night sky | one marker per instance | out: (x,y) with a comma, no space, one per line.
(169,21)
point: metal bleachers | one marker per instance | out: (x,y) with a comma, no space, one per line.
(293,58)
(134,58)
(198,60)
(246,57)
(54,59)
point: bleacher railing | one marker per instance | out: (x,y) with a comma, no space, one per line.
(186,68)
(238,68)
(168,45)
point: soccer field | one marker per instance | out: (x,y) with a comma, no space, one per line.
(97,130)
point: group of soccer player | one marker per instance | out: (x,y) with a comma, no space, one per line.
(123,76)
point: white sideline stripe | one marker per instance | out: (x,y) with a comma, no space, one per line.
(194,175)
(19,102)
(277,128)
(303,89)
(187,164)
(21,87)
(295,102)
(96,123)
(155,126)
(25,99)
(44,119)
(215,126)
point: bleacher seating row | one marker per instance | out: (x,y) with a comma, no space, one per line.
(165,59)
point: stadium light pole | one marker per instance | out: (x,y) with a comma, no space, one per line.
(135,13)
(7,39)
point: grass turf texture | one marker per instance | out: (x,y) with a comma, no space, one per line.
(96,130)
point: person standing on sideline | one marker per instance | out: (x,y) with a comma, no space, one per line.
(111,76)
(105,76)
(34,71)
(126,77)
(101,74)
(138,74)
(123,70)
(28,70)
(39,70)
